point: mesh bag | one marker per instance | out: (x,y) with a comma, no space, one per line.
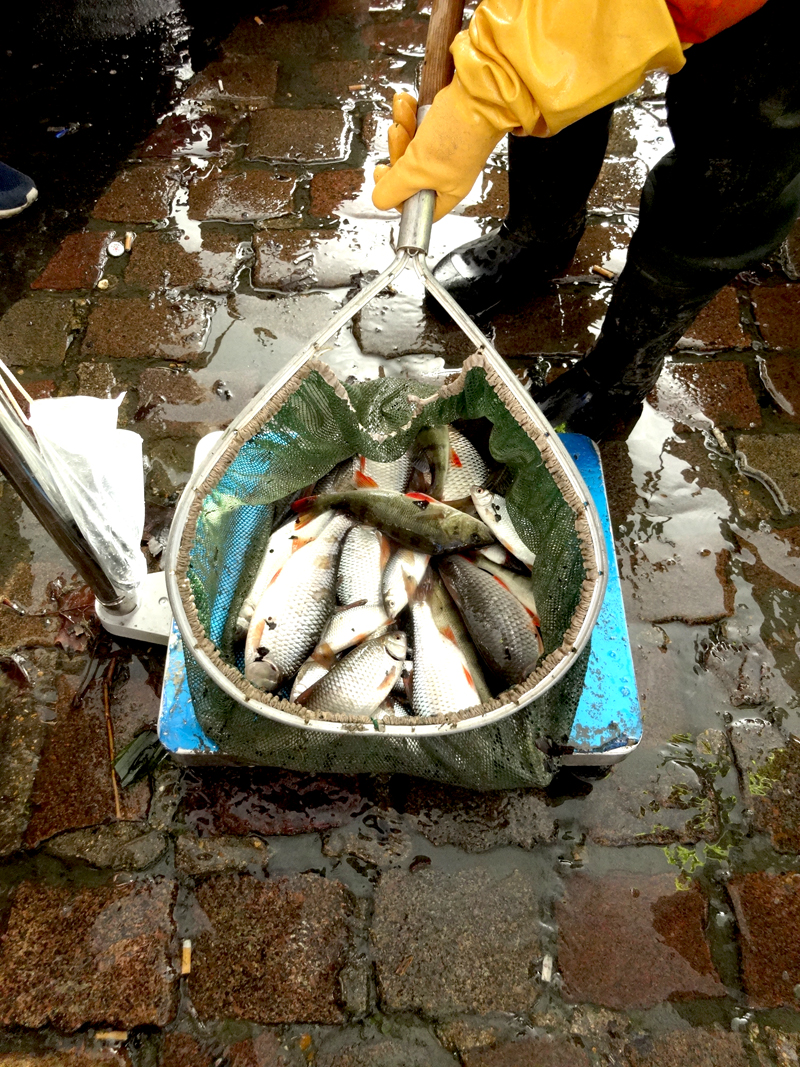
(312,423)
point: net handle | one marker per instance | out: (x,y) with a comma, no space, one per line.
(438,66)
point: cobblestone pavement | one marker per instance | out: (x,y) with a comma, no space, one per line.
(646,919)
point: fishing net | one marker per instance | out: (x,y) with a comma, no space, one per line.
(312,423)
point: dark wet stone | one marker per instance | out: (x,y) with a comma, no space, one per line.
(476,822)
(212,855)
(777,457)
(98,379)
(462,942)
(96,956)
(769,767)
(717,326)
(121,846)
(720,391)
(313,136)
(72,1057)
(767,908)
(389,1052)
(377,838)
(36,332)
(406,37)
(777,312)
(171,464)
(622,140)
(781,377)
(250,78)
(268,802)
(600,240)
(330,188)
(139,195)
(681,1048)
(493,203)
(179,135)
(533,1052)
(467,1034)
(564,320)
(272,951)
(295,260)
(169,385)
(618,476)
(346,79)
(790,254)
(78,263)
(134,328)
(27,708)
(158,261)
(619,185)
(783,1047)
(249,196)
(282,39)
(631,941)
(73,787)
(184,1050)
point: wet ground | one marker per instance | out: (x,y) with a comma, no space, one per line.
(226,916)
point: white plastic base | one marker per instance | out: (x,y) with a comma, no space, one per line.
(151,621)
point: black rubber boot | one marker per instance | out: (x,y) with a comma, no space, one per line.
(549,181)
(645,319)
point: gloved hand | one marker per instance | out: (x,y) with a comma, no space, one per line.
(447,153)
(531,66)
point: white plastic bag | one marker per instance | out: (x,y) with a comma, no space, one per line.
(98,471)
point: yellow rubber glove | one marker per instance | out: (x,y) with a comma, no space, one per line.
(532,67)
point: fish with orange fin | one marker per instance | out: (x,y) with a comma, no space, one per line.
(359,683)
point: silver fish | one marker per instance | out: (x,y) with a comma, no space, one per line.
(391,707)
(359,682)
(451,625)
(403,572)
(350,626)
(395,474)
(282,543)
(492,508)
(441,682)
(517,584)
(292,613)
(340,478)
(466,468)
(311,671)
(501,628)
(365,553)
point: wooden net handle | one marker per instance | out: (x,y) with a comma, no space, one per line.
(437,68)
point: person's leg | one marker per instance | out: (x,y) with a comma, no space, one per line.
(721,201)
(17,191)
(549,181)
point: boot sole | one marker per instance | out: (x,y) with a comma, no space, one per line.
(9,212)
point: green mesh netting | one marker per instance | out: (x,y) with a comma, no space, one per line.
(315,423)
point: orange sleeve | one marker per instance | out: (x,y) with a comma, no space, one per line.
(697,20)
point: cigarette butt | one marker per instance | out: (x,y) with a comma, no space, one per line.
(258,20)
(221,86)
(355,88)
(305,1042)
(186,957)
(603,272)
(129,239)
(111,1035)
(103,283)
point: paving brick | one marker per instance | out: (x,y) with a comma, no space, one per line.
(777,312)
(96,956)
(97,379)
(348,79)
(413,329)
(253,79)
(406,37)
(780,376)
(374,133)
(35,332)
(134,328)
(267,802)
(272,951)
(73,787)
(72,1057)
(126,846)
(462,942)
(790,254)
(168,385)
(776,459)
(295,38)
(184,1050)
(377,839)
(619,185)
(767,908)
(784,1047)
(476,822)
(720,391)
(293,260)
(185,135)
(250,196)
(680,1048)
(78,263)
(769,767)
(212,855)
(533,1052)
(604,244)
(331,189)
(387,1052)
(566,319)
(493,202)
(159,261)
(313,136)
(631,941)
(718,325)
(139,195)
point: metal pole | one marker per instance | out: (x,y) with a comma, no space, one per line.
(63,531)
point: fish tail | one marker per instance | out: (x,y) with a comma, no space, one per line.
(363,481)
